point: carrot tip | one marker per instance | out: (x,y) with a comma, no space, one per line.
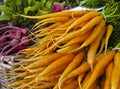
(91,66)
(113,87)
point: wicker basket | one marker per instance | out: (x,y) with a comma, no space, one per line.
(5,70)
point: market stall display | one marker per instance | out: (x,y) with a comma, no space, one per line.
(72,49)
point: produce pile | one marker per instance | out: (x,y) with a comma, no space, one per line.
(12,39)
(72,50)
(71,53)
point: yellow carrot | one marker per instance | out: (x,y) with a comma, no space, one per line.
(100,66)
(80,78)
(108,74)
(101,46)
(93,48)
(115,78)
(109,31)
(65,13)
(86,79)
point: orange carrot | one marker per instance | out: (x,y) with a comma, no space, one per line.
(100,66)
(65,13)
(109,31)
(101,46)
(115,79)
(80,78)
(108,74)
(86,79)
(93,48)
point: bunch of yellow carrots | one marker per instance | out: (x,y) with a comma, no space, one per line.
(71,53)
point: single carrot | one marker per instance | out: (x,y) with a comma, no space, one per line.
(108,74)
(83,19)
(115,78)
(65,13)
(101,46)
(85,80)
(93,48)
(109,31)
(80,78)
(100,66)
